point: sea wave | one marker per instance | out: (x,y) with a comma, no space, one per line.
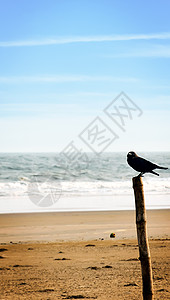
(82,188)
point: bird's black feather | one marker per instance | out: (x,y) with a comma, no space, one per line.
(142,165)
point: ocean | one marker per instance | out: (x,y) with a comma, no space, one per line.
(36,182)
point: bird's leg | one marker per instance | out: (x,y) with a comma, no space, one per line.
(141,174)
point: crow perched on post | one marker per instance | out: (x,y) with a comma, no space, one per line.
(142,165)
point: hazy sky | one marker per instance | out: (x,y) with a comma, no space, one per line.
(63,61)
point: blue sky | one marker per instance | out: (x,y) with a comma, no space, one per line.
(63,62)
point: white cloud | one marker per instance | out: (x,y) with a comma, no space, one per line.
(36,108)
(84,39)
(64,78)
(150,51)
(156,51)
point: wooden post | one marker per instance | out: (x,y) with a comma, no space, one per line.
(144,251)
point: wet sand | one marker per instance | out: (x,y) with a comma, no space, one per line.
(79,225)
(71,255)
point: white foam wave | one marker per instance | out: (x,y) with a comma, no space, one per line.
(83,188)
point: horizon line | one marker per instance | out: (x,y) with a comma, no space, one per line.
(59,152)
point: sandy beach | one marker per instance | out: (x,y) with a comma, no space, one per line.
(71,255)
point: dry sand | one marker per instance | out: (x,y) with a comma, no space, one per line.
(71,256)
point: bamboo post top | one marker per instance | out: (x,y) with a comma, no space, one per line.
(137,182)
(139,199)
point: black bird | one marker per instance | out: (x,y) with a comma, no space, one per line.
(142,165)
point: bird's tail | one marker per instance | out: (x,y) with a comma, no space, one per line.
(158,167)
